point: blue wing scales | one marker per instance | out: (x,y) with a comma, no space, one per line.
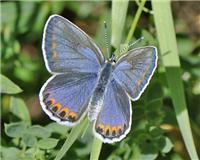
(65,97)
(114,119)
(67,48)
(134,70)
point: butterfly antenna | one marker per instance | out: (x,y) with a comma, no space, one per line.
(138,40)
(130,45)
(106,37)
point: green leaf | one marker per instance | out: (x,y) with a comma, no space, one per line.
(148,37)
(57,8)
(71,139)
(85,9)
(36,154)
(155,132)
(154,113)
(26,11)
(83,150)
(29,140)
(135,21)
(8,14)
(7,86)
(136,151)
(196,72)
(24,74)
(15,129)
(39,131)
(155,104)
(41,17)
(47,143)
(185,46)
(57,128)
(119,9)
(148,151)
(168,145)
(96,148)
(154,91)
(10,153)
(150,156)
(176,156)
(167,42)
(19,109)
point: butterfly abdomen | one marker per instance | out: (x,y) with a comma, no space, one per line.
(96,100)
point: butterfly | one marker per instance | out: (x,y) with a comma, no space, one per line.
(84,82)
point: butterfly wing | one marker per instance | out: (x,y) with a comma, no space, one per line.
(134,70)
(67,48)
(65,97)
(114,119)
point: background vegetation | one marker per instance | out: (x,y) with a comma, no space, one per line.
(160,117)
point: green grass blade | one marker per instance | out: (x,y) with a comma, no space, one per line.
(119,9)
(76,131)
(135,21)
(120,49)
(96,148)
(167,40)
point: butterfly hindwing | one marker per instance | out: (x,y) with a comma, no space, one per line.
(114,119)
(67,48)
(64,97)
(134,70)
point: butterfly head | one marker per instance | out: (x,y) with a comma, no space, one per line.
(112,59)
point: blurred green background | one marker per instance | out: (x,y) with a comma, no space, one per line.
(27,133)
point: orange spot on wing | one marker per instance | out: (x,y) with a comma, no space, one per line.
(58,105)
(64,112)
(107,129)
(101,126)
(53,101)
(73,115)
(53,44)
(54,55)
(119,129)
(65,109)
(53,47)
(138,83)
(114,129)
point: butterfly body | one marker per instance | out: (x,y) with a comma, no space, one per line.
(96,100)
(84,83)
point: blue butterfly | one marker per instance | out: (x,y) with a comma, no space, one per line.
(83,82)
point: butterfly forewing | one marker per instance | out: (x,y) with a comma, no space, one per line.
(67,48)
(134,70)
